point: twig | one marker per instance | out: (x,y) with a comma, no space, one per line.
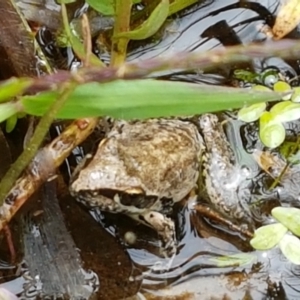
(209,213)
(44,165)
(87,39)
(41,130)
(183,60)
(10,243)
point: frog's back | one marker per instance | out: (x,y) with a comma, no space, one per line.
(160,157)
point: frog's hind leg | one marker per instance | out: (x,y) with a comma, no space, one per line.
(164,226)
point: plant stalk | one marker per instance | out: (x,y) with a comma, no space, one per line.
(28,154)
(122,24)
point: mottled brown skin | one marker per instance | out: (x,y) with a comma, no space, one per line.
(222,176)
(156,162)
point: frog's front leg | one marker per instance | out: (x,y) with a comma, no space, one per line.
(164,226)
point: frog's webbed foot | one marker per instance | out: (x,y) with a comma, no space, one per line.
(165,227)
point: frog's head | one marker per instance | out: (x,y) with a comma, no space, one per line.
(93,179)
(121,199)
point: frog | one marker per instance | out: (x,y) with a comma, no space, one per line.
(223,178)
(141,169)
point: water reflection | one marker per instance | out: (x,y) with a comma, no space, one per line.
(213,24)
(268,275)
(209,25)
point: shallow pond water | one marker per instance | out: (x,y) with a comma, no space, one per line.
(192,273)
(212,24)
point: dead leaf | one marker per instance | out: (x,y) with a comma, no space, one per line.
(270,163)
(287,19)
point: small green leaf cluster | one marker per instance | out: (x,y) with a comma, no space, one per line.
(284,234)
(106,7)
(271,129)
(291,152)
(266,78)
(9,111)
(149,26)
(234,260)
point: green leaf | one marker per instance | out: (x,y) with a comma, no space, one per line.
(245,75)
(69,36)
(281,87)
(144,99)
(238,259)
(66,1)
(287,148)
(289,217)
(271,133)
(179,5)
(13,87)
(290,247)
(81,53)
(251,113)
(11,123)
(261,88)
(294,159)
(296,94)
(267,237)
(105,7)
(286,111)
(8,109)
(151,25)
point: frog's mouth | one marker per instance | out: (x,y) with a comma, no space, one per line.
(137,200)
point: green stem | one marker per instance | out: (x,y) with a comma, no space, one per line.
(65,19)
(178,5)
(29,152)
(76,43)
(122,24)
